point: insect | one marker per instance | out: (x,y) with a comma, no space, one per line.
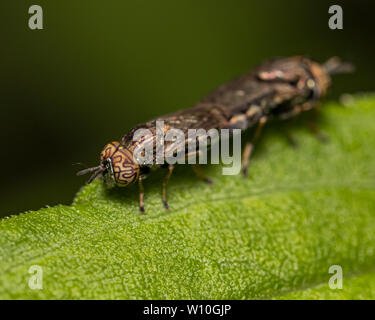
(278,89)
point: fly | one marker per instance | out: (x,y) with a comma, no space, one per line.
(278,89)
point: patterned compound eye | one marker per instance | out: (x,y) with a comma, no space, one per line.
(125,169)
(109,150)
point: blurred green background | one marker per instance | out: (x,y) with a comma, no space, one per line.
(100,67)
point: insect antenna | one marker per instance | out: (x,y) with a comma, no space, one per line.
(78,164)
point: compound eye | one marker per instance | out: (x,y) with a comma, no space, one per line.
(109,150)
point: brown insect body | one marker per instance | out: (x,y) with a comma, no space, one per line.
(205,116)
(276,87)
(281,88)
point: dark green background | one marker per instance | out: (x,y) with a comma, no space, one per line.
(100,67)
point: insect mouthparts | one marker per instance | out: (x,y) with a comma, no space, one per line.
(84,171)
(96,173)
(98,170)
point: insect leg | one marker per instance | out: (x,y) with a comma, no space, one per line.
(201,174)
(290,139)
(250,145)
(291,113)
(311,124)
(141,194)
(315,130)
(164,186)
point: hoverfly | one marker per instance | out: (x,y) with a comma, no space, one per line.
(278,89)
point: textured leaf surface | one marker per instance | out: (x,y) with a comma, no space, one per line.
(270,235)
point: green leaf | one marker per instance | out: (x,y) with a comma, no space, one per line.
(270,235)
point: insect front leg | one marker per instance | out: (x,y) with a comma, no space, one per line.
(141,195)
(312,125)
(289,137)
(249,147)
(201,174)
(164,186)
